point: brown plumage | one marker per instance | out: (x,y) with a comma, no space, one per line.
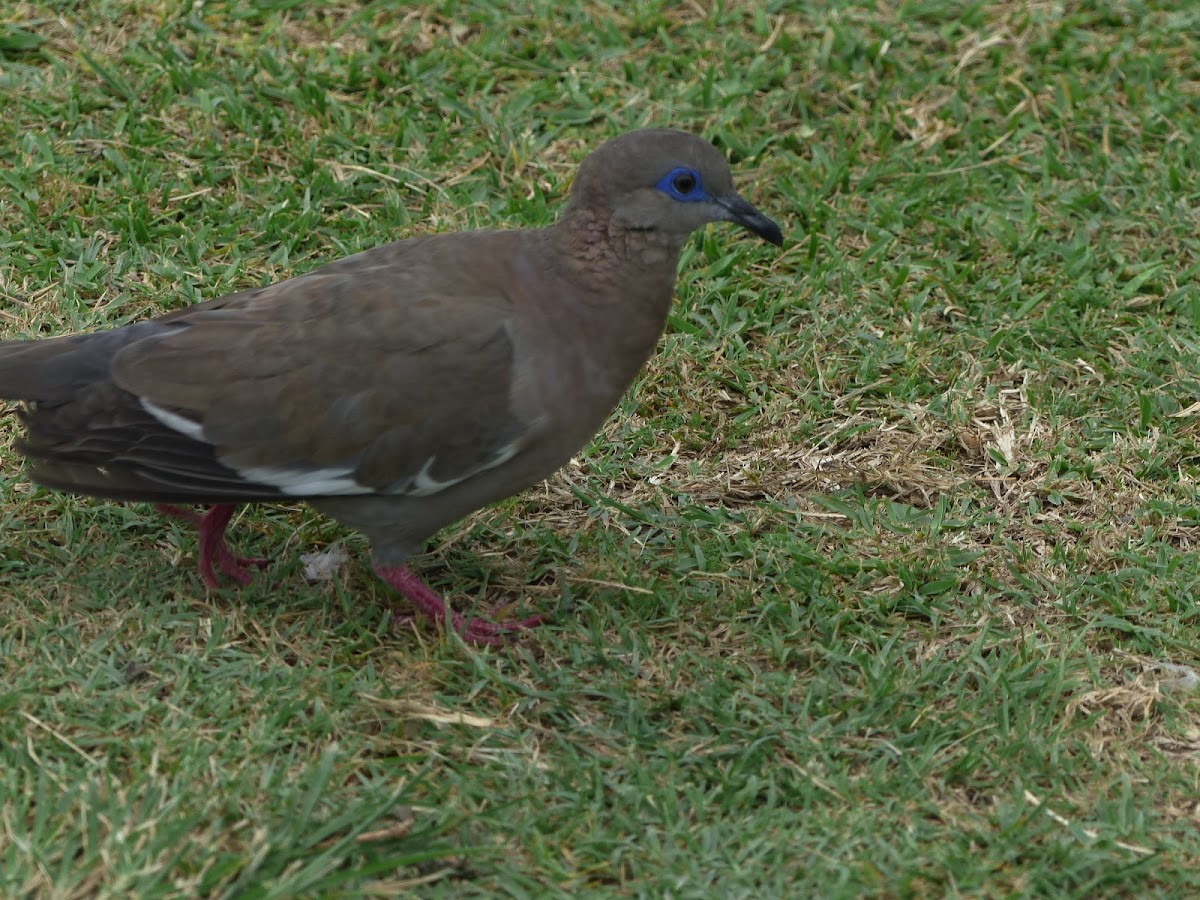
(396,390)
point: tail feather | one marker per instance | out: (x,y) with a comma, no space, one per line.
(55,369)
(86,435)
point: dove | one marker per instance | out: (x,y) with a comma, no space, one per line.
(396,390)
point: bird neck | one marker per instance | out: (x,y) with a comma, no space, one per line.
(607,254)
(622,283)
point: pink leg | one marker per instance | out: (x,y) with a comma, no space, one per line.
(473,631)
(212,547)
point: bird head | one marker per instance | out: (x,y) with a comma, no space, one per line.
(665,181)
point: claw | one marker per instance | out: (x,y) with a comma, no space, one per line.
(212,548)
(474,631)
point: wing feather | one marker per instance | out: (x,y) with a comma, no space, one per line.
(389,372)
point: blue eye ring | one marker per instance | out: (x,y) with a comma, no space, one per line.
(682,183)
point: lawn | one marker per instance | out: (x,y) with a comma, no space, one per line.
(882,581)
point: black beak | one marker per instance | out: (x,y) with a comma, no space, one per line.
(738,210)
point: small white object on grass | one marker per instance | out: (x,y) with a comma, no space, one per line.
(1188,680)
(321,565)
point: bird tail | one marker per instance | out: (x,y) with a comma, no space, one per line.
(53,370)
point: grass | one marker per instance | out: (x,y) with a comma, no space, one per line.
(864,591)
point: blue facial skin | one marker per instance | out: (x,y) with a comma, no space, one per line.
(677,178)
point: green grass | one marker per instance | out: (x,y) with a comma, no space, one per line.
(860,593)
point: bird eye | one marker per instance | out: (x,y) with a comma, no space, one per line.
(684,182)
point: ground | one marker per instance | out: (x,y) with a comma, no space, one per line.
(880,582)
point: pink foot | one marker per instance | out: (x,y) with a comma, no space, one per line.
(212,547)
(473,631)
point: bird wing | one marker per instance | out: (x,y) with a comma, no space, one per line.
(356,379)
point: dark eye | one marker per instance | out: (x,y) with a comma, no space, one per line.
(684,182)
